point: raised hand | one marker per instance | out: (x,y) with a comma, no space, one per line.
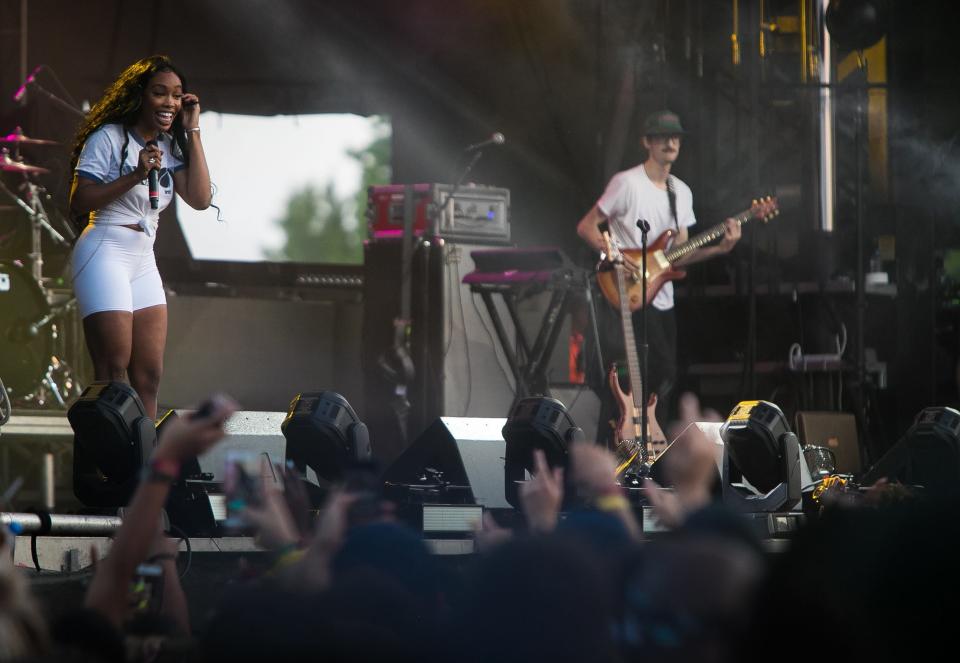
(271,519)
(594,470)
(541,496)
(188,437)
(190,110)
(488,534)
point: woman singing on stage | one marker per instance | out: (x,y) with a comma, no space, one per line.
(146,121)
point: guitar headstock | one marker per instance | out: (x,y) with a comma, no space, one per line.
(610,251)
(765,209)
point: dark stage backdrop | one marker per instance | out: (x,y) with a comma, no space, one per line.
(566,81)
(261,351)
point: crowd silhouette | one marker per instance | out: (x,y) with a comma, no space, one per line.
(870,576)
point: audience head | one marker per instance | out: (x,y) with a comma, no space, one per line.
(540,598)
(23,631)
(871,583)
(392,551)
(686,598)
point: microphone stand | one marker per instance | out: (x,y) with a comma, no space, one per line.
(56,100)
(421,359)
(477,154)
(644,229)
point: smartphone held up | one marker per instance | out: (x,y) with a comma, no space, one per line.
(242,484)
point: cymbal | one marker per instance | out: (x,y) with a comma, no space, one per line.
(20,138)
(8,165)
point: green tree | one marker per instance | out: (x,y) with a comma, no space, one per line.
(319,226)
(375,159)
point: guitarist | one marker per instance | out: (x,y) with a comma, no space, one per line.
(648,191)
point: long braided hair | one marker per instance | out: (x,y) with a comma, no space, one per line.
(121,103)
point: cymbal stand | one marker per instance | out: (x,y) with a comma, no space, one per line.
(58,379)
(39,220)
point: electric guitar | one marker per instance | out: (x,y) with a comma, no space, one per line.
(629,447)
(660,259)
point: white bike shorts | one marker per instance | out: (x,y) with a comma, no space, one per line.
(114,269)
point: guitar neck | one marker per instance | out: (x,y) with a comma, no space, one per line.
(705,238)
(630,344)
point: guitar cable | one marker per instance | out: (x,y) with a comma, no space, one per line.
(466,342)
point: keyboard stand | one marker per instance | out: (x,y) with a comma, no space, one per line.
(529,363)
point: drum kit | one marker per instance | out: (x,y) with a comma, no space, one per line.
(32,314)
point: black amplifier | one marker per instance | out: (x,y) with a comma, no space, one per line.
(475,214)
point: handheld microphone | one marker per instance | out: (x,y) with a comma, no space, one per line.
(495,138)
(20,95)
(643,226)
(153,182)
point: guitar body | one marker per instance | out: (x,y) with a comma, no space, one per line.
(659,272)
(628,421)
(661,258)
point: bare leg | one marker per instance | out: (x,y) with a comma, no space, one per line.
(109,336)
(146,358)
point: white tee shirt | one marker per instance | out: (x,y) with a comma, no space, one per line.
(630,196)
(100,161)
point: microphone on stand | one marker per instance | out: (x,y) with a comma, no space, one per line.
(153,182)
(495,138)
(20,95)
(644,227)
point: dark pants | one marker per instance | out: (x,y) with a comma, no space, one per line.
(661,361)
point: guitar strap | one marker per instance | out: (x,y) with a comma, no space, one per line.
(672,197)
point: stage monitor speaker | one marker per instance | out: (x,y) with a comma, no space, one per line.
(927,455)
(249,432)
(197,503)
(456,460)
(459,368)
(677,449)
(836,431)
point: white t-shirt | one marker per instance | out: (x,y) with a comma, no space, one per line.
(100,161)
(630,196)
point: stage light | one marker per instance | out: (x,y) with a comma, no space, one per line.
(325,434)
(927,455)
(760,447)
(857,24)
(113,439)
(535,423)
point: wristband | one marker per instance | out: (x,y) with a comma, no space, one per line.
(166,466)
(162,469)
(191,130)
(287,556)
(611,502)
